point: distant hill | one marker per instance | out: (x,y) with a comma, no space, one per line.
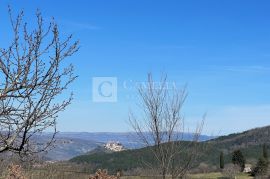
(99,150)
(128,139)
(71,144)
(250,142)
(251,137)
(66,148)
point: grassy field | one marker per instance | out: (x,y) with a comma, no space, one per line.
(197,176)
(56,175)
(216,175)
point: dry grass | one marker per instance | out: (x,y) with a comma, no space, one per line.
(42,174)
(216,175)
(16,172)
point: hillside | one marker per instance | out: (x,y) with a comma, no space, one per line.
(66,148)
(249,142)
(71,144)
(251,137)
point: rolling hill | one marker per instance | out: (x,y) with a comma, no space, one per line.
(71,144)
(249,142)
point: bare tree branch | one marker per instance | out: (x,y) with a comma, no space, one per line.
(32,79)
(162,127)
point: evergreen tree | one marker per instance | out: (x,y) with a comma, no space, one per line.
(239,159)
(265,152)
(221,160)
(261,167)
(262,164)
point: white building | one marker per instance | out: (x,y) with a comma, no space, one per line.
(114,146)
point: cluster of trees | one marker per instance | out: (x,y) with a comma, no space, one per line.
(239,160)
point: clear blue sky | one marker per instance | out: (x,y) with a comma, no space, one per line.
(221,49)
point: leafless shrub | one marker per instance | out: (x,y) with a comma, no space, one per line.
(203,168)
(162,127)
(103,174)
(138,172)
(15,172)
(230,171)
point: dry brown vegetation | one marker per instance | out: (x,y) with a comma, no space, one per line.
(103,174)
(15,172)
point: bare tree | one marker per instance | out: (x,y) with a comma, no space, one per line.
(32,78)
(162,128)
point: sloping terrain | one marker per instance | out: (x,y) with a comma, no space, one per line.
(71,144)
(249,142)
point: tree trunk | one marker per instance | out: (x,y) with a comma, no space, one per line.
(164,174)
